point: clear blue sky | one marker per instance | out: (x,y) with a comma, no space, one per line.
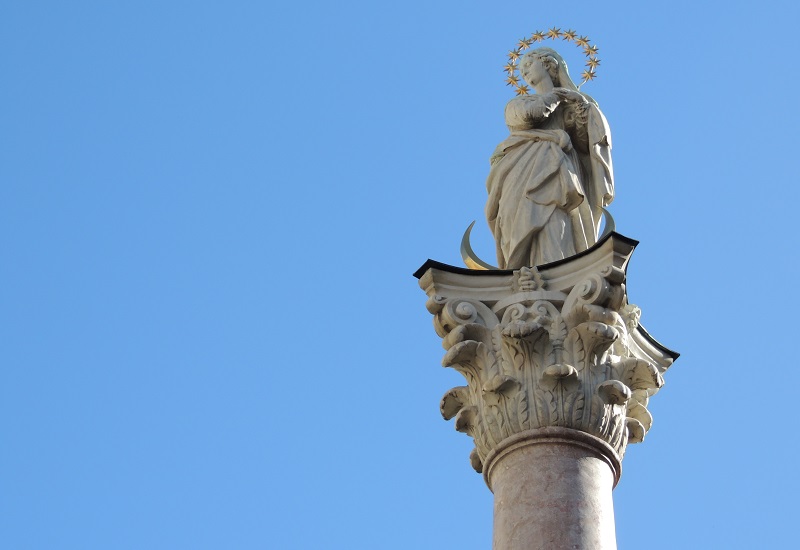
(211,212)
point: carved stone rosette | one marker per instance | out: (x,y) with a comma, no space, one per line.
(558,346)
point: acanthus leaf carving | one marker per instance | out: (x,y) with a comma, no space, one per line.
(475,461)
(639,412)
(453,401)
(546,347)
(614,392)
(641,375)
(465,420)
(636,430)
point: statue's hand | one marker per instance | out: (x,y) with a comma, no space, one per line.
(569,95)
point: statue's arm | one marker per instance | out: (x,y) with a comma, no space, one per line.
(600,143)
(529,111)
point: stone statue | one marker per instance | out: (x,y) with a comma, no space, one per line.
(550,179)
(558,370)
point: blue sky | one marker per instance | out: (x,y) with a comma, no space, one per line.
(211,212)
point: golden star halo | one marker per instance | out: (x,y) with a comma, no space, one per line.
(554,33)
(590,50)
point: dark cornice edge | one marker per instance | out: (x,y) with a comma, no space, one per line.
(483,272)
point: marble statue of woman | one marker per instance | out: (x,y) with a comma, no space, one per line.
(550,179)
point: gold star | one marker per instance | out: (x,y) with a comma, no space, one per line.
(590,50)
(524,44)
(593,63)
(537,36)
(554,33)
(583,41)
(522,90)
(588,75)
(510,68)
(513,55)
(512,80)
(569,35)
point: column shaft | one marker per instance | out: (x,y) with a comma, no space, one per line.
(552,493)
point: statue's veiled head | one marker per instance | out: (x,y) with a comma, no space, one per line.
(542,63)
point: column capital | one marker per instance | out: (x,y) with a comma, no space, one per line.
(554,346)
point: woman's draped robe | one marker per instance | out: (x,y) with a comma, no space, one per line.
(548,182)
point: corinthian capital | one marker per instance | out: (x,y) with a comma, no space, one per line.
(558,346)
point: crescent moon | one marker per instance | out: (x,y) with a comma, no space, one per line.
(468,255)
(609,224)
(472,261)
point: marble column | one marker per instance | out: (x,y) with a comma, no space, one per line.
(559,374)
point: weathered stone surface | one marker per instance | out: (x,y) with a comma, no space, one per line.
(550,179)
(552,490)
(553,346)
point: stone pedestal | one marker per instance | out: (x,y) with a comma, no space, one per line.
(559,374)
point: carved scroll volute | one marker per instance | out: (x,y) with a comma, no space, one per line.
(448,313)
(603,290)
